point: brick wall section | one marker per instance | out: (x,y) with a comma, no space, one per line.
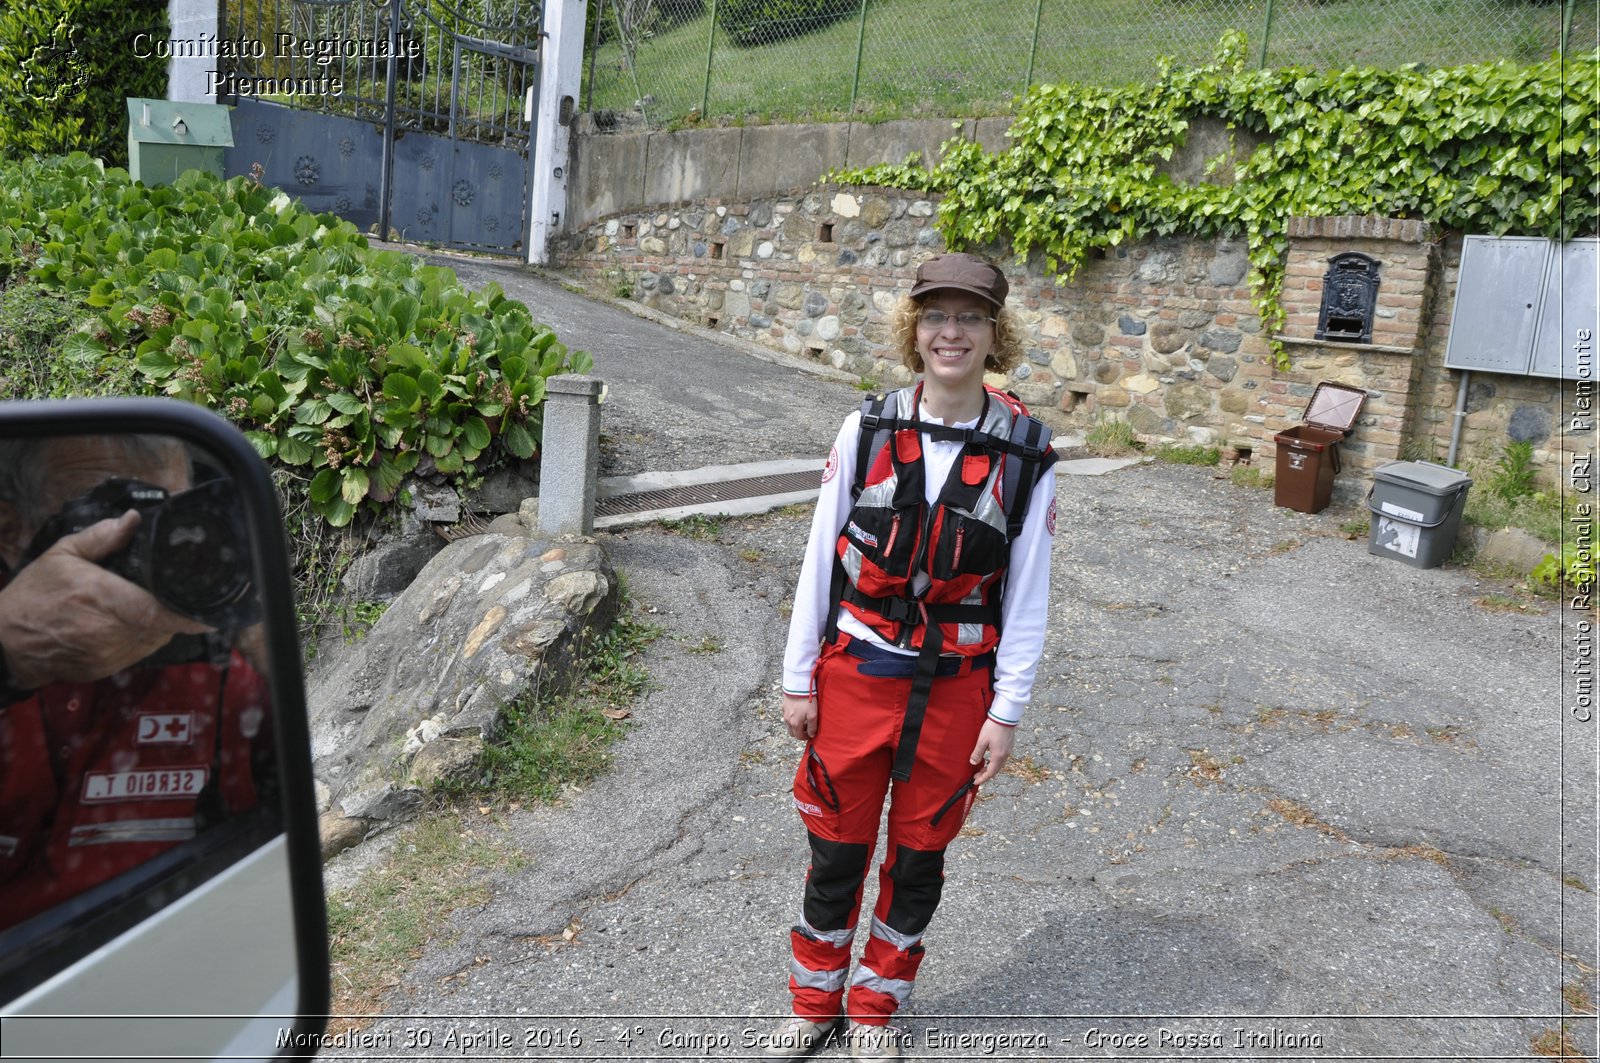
(1162,333)
(1387,368)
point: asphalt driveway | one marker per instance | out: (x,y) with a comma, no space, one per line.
(1275,797)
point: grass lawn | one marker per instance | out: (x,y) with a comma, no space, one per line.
(957,57)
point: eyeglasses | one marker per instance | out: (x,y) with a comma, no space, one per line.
(969,320)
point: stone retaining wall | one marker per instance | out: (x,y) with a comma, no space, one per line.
(1162,333)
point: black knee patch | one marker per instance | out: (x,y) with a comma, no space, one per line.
(918,878)
(837,871)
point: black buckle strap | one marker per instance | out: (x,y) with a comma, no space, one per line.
(905,754)
(916,611)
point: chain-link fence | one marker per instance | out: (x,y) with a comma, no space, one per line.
(682,61)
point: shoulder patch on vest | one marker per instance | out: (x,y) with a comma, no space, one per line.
(830,470)
(1050,519)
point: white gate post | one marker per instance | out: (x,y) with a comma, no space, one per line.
(560,80)
(192,23)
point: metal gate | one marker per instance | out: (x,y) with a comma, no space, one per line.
(407,117)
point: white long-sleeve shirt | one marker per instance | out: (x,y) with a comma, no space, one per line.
(1023,606)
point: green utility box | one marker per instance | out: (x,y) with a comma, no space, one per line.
(1416,512)
(165,138)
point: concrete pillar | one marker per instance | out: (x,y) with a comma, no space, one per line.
(569,458)
(560,81)
(189,78)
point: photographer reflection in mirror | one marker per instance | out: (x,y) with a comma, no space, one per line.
(132,716)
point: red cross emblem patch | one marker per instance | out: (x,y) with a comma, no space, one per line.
(165,728)
(832,467)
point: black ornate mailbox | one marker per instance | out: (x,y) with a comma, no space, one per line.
(1349,296)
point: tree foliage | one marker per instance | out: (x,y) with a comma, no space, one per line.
(66,66)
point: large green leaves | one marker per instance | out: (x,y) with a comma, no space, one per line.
(347,363)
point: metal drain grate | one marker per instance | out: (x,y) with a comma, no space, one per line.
(700,494)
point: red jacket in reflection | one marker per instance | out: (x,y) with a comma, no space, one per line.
(97,778)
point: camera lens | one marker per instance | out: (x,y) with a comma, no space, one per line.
(197,564)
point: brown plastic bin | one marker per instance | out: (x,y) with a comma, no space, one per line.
(1308,454)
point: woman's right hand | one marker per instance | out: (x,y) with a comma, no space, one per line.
(800,716)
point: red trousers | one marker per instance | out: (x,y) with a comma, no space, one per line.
(839,789)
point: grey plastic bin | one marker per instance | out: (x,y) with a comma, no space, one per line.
(1416,512)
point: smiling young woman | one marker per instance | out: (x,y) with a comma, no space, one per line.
(931,537)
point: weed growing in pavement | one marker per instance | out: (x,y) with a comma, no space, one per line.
(377,926)
(1249,476)
(1188,454)
(1204,767)
(1502,603)
(867,383)
(708,644)
(1027,769)
(1557,1044)
(703,526)
(1357,528)
(1419,851)
(1110,438)
(1577,998)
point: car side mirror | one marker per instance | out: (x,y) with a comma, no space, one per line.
(160,872)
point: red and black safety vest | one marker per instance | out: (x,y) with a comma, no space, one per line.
(100,777)
(962,542)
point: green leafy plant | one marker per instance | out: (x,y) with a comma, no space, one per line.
(359,367)
(359,618)
(1491,147)
(1513,475)
(1110,438)
(1188,454)
(1249,476)
(40,354)
(704,526)
(1574,567)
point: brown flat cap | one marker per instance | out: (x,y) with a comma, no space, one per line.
(967,273)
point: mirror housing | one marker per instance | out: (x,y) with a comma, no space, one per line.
(216,945)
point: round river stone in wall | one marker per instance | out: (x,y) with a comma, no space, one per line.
(1167,338)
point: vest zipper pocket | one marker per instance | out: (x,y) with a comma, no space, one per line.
(957,796)
(894,533)
(955,562)
(832,795)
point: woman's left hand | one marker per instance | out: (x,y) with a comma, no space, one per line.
(996,740)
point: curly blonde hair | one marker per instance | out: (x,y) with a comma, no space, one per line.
(1006,355)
